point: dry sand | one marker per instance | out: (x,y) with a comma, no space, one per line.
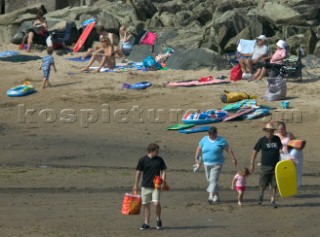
(65,179)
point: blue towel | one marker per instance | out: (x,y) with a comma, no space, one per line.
(77,59)
(8,53)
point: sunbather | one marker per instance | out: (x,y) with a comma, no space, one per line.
(126,42)
(39,30)
(259,54)
(276,60)
(105,55)
(102,32)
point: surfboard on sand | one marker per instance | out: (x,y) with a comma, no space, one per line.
(257,114)
(83,37)
(286,176)
(180,126)
(238,115)
(195,129)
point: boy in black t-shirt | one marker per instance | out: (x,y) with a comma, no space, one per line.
(270,146)
(149,167)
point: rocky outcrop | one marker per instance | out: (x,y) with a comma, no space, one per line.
(216,25)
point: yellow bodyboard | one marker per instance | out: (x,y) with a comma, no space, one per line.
(286,176)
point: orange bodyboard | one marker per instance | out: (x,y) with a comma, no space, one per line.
(83,37)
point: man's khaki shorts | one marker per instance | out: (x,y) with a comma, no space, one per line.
(149,195)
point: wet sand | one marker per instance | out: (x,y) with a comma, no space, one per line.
(59,178)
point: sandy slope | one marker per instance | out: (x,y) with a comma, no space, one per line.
(68,179)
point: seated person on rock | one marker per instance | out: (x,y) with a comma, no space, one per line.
(259,54)
(39,31)
(102,32)
(126,42)
(276,60)
(105,55)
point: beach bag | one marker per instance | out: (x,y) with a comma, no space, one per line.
(276,89)
(236,73)
(232,97)
(150,63)
(131,204)
(149,38)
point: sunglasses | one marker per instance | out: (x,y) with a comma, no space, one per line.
(103,41)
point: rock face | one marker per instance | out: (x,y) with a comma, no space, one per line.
(215,25)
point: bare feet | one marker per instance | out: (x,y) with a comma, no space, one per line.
(86,69)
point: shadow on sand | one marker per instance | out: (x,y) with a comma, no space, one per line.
(20,58)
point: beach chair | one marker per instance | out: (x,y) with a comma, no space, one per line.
(244,47)
(291,67)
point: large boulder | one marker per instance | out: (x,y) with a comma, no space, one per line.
(171,7)
(6,33)
(310,10)
(9,18)
(183,39)
(317,50)
(308,41)
(184,18)
(233,42)
(228,25)
(279,14)
(145,9)
(191,59)
(111,23)
(167,19)
(73,13)
(140,52)
(311,61)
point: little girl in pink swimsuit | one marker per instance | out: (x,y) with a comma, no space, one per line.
(239,182)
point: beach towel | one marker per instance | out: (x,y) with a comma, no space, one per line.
(77,59)
(243,104)
(298,144)
(126,68)
(8,53)
(201,82)
(246,46)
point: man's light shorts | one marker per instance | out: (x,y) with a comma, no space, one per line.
(149,195)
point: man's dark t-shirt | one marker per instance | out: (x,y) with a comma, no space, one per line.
(150,167)
(270,150)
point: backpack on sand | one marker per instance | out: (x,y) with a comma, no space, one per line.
(231,97)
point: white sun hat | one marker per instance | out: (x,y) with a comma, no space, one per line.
(281,44)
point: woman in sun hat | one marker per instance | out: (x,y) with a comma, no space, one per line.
(270,146)
(275,60)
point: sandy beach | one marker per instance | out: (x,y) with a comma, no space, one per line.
(66,175)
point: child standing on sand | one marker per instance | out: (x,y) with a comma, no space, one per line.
(45,65)
(239,181)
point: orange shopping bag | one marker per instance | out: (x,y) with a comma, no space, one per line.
(131,204)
